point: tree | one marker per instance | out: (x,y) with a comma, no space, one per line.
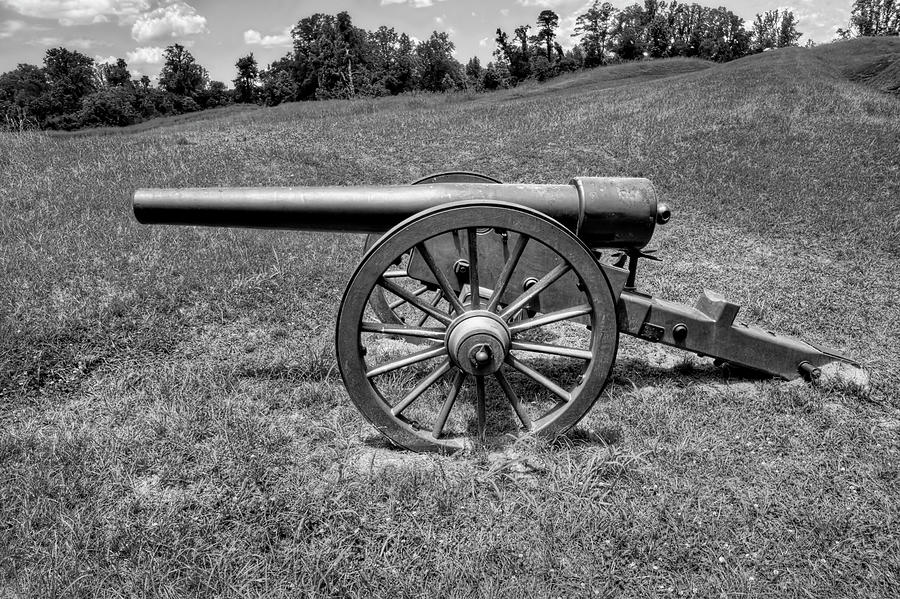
(24,96)
(593,27)
(393,60)
(774,29)
(246,80)
(278,83)
(181,75)
(111,106)
(628,33)
(116,74)
(331,57)
(547,22)
(474,73)
(70,75)
(516,57)
(873,18)
(436,63)
(215,95)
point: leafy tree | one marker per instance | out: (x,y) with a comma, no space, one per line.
(873,18)
(181,75)
(70,75)
(393,60)
(24,96)
(278,83)
(725,37)
(110,106)
(437,64)
(474,73)
(548,22)
(331,57)
(215,95)
(593,27)
(247,77)
(775,29)
(517,56)
(628,40)
(116,74)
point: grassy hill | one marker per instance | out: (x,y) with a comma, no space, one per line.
(171,421)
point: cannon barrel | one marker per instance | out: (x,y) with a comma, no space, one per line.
(601,211)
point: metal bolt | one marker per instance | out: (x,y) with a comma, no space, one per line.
(482,357)
(461,268)
(679,333)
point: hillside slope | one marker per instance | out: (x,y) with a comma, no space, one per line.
(171,421)
(874,61)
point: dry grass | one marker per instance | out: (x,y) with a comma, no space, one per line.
(171,422)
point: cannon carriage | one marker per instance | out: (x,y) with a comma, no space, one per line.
(481,311)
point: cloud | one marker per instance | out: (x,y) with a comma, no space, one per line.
(45,41)
(98,60)
(10,28)
(414,3)
(171,21)
(253,37)
(86,44)
(78,12)
(145,55)
(543,3)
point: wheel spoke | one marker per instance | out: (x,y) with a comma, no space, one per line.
(506,273)
(441,278)
(538,378)
(415,301)
(420,356)
(547,280)
(397,303)
(513,399)
(395,274)
(421,387)
(479,405)
(556,350)
(549,318)
(438,296)
(399,329)
(474,288)
(448,404)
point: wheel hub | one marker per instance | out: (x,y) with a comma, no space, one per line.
(478,342)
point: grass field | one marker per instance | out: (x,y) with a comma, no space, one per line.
(172,423)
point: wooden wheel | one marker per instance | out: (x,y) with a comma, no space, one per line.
(482,375)
(395,311)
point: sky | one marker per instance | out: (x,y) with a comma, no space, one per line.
(217,32)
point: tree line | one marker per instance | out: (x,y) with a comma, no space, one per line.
(332,58)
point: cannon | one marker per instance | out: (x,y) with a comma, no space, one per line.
(482,311)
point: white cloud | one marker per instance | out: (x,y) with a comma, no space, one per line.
(253,37)
(171,21)
(504,12)
(10,28)
(485,41)
(45,41)
(85,44)
(414,3)
(145,55)
(543,3)
(105,59)
(78,12)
